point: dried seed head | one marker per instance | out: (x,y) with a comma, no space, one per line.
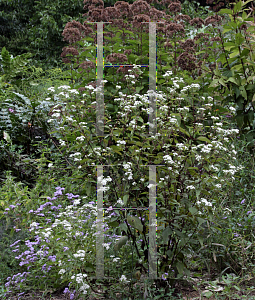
(183,17)
(138,19)
(140,7)
(155,14)
(175,7)
(116,57)
(97,15)
(198,22)
(128,51)
(203,36)
(68,51)
(186,61)
(213,20)
(216,39)
(112,13)
(166,2)
(87,65)
(172,28)
(91,4)
(74,31)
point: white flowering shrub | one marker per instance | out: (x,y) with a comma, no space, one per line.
(198,162)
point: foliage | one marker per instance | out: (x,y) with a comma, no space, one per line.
(236,77)
(194,213)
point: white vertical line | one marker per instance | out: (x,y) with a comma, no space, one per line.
(152,223)
(99,92)
(152,78)
(100,231)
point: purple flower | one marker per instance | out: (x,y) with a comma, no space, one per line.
(12,206)
(164,276)
(71,296)
(11,110)
(65,249)
(66,290)
(15,243)
(242,202)
(44,267)
(249,212)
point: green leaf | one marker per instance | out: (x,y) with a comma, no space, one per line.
(228,73)
(200,220)
(113,224)
(123,227)
(135,222)
(243,92)
(184,131)
(238,7)
(214,83)
(125,199)
(193,210)
(121,242)
(165,234)
(231,79)
(180,267)
(201,241)
(226,11)
(116,149)
(203,139)
(207,294)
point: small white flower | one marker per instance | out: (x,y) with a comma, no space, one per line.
(50,165)
(80,138)
(124,278)
(191,187)
(120,202)
(107,246)
(77,201)
(62,271)
(116,259)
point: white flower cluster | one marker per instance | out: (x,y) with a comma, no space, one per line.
(120,202)
(191,187)
(121,143)
(79,279)
(47,233)
(123,278)
(107,246)
(193,85)
(80,254)
(129,171)
(75,156)
(203,200)
(62,143)
(80,138)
